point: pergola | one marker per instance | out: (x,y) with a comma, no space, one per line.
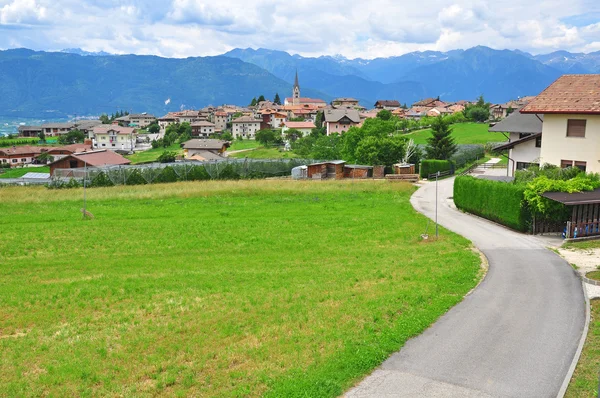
(585,212)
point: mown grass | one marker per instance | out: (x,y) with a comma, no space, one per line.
(247,288)
(21,171)
(584,383)
(264,153)
(463,133)
(237,145)
(583,245)
(151,155)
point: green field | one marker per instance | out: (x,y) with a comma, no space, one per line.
(237,145)
(21,171)
(264,153)
(151,155)
(463,133)
(226,289)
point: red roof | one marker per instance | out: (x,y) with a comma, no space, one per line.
(305,100)
(101,158)
(578,94)
(23,150)
(105,128)
(300,125)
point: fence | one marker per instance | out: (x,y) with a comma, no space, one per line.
(179,171)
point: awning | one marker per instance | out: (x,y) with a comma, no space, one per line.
(577,198)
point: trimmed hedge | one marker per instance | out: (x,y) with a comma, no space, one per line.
(430,166)
(501,202)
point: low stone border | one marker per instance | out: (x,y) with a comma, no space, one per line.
(590,281)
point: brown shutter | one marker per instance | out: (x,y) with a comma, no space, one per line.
(566,163)
(576,128)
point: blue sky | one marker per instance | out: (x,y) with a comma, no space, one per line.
(366,29)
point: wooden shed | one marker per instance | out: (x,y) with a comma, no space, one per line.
(404,168)
(356,171)
(333,169)
(585,212)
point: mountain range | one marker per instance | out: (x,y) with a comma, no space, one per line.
(76,82)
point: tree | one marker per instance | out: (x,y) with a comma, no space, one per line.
(268,137)
(327,147)
(277,100)
(171,135)
(104,119)
(478,114)
(167,157)
(253,102)
(261,98)
(292,135)
(71,137)
(380,150)
(45,157)
(319,119)
(441,144)
(509,110)
(184,132)
(154,128)
(42,137)
(384,114)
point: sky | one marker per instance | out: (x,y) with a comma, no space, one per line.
(354,29)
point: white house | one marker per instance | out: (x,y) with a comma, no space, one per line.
(571,128)
(304,127)
(114,137)
(245,127)
(525,140)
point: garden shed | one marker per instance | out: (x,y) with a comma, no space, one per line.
(333,169)
(585,212)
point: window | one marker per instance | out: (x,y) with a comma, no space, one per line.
(522,165)
(73,164)
(114,144)
(566,163)
(103,144)
(523,135)
(580,165)
(23,160)
(14,160)
(576,128)
(538,142)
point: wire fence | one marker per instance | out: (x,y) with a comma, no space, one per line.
(153,173)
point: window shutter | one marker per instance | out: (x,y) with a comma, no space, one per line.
(576,128)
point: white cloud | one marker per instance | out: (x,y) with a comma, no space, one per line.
(181,28)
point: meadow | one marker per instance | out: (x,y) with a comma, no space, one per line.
(248,288)
(151,155)
(19,172)
(463,133)
(262,152)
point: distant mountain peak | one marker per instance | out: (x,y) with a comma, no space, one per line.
(84,53)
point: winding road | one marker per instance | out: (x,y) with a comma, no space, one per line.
(514,336)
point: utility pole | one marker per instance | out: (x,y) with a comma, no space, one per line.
(84,185)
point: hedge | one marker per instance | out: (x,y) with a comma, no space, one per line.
(501,202)
(431,166)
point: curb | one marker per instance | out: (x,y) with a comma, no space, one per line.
(584,333)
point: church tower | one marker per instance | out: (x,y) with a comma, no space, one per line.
(296,93)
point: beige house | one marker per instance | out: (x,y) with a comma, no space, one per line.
(204,150)
(245,127)
(114,137)
(304,127)
(139,120)
(571,129)
(56,129)
(220,120)
(340,120)
(202,129)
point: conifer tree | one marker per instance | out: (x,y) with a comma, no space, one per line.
(441,144)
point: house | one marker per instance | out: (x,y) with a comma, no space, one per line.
(200,149)
(277,120)
(20,155)
(29,131)
(87,126)
(202,129)
(188,116)
(571,128)
(245,127)
(167,120)
(220,120)
(387,104)
(113,137)
(344,101)
(296,99)
(426,103)
(500,111)
(56,129)
(139,120)
(340,120)
(98,158)
(525,140)
(435,112)
(304,127)
(64,151)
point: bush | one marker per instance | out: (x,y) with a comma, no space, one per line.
(467,153)
(101,180)
(167,157)
(167,175)
(497,201)
(431,166)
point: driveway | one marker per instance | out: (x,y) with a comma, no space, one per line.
(514,336)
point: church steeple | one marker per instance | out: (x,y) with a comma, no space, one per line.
(296,93)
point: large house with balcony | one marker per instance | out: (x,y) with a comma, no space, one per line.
(115,138)
(340,120)
(245,127)
(571,129)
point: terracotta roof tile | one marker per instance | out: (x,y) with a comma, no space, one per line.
(579,94)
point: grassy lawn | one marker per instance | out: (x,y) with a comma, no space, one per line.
(21,171)
(237,145)
(584,383)
(224,289)
(264,153)
(583,245)
(152,154)
(5,142)
(463,133)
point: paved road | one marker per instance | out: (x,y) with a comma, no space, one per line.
(514,336)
